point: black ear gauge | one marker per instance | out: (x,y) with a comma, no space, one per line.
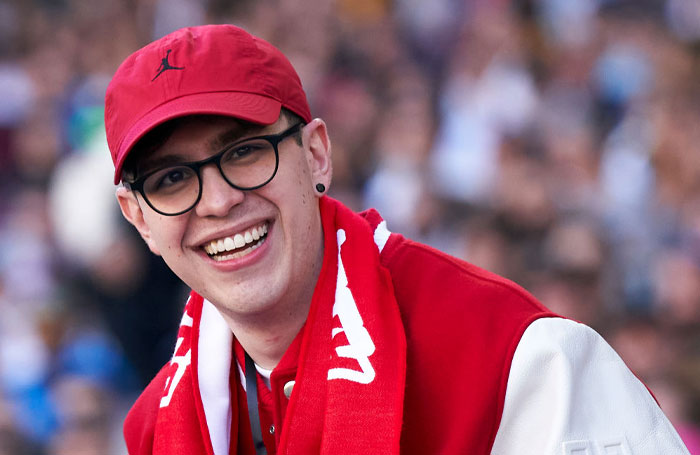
(320,187)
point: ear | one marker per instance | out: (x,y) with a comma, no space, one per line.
(131,209)
(317,143)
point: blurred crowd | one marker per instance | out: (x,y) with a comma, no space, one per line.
(554,142)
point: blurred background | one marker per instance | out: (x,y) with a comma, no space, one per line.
(555,142)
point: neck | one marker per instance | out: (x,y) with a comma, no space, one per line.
(266,343)
(266,336)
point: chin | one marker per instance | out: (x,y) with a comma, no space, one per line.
(251,300)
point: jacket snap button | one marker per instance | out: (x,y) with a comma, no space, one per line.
(272,429)
(288,389)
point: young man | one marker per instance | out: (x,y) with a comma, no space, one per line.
(311,329)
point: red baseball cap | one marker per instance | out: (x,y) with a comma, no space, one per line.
(210,69)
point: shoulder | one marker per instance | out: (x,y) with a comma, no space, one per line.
(140,422)
(568,385)
(462,326)
(462,292)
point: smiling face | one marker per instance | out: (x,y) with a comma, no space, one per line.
(251,253)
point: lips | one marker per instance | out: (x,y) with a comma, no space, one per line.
(238,245)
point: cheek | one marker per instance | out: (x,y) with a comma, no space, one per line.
(166,234)
(305,184)
(297,205)
(293,186)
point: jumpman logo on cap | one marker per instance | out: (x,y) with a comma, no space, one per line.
(165,65)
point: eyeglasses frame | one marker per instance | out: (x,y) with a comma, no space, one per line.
(196,166)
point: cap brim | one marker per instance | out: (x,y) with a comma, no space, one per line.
(245,106)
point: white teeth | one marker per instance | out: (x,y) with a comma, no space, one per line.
(237,241)
(238,254)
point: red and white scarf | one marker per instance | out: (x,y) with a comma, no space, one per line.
(348,396)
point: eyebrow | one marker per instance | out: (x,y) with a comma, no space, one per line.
(228,137)
(151,164)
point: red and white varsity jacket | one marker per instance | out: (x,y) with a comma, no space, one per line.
(489,371)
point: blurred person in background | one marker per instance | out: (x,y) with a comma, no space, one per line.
(313,329)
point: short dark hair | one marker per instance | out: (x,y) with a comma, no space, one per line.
(159,135)
(293,119)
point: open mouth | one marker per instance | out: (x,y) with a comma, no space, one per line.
(238,245)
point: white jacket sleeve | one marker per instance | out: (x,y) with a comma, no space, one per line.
(569,393)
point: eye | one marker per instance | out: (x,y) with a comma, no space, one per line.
(169,179)
(172,177)
(243,150)
(246,152)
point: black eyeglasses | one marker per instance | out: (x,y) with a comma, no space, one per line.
(246,165)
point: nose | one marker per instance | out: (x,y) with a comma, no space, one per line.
(218,197)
